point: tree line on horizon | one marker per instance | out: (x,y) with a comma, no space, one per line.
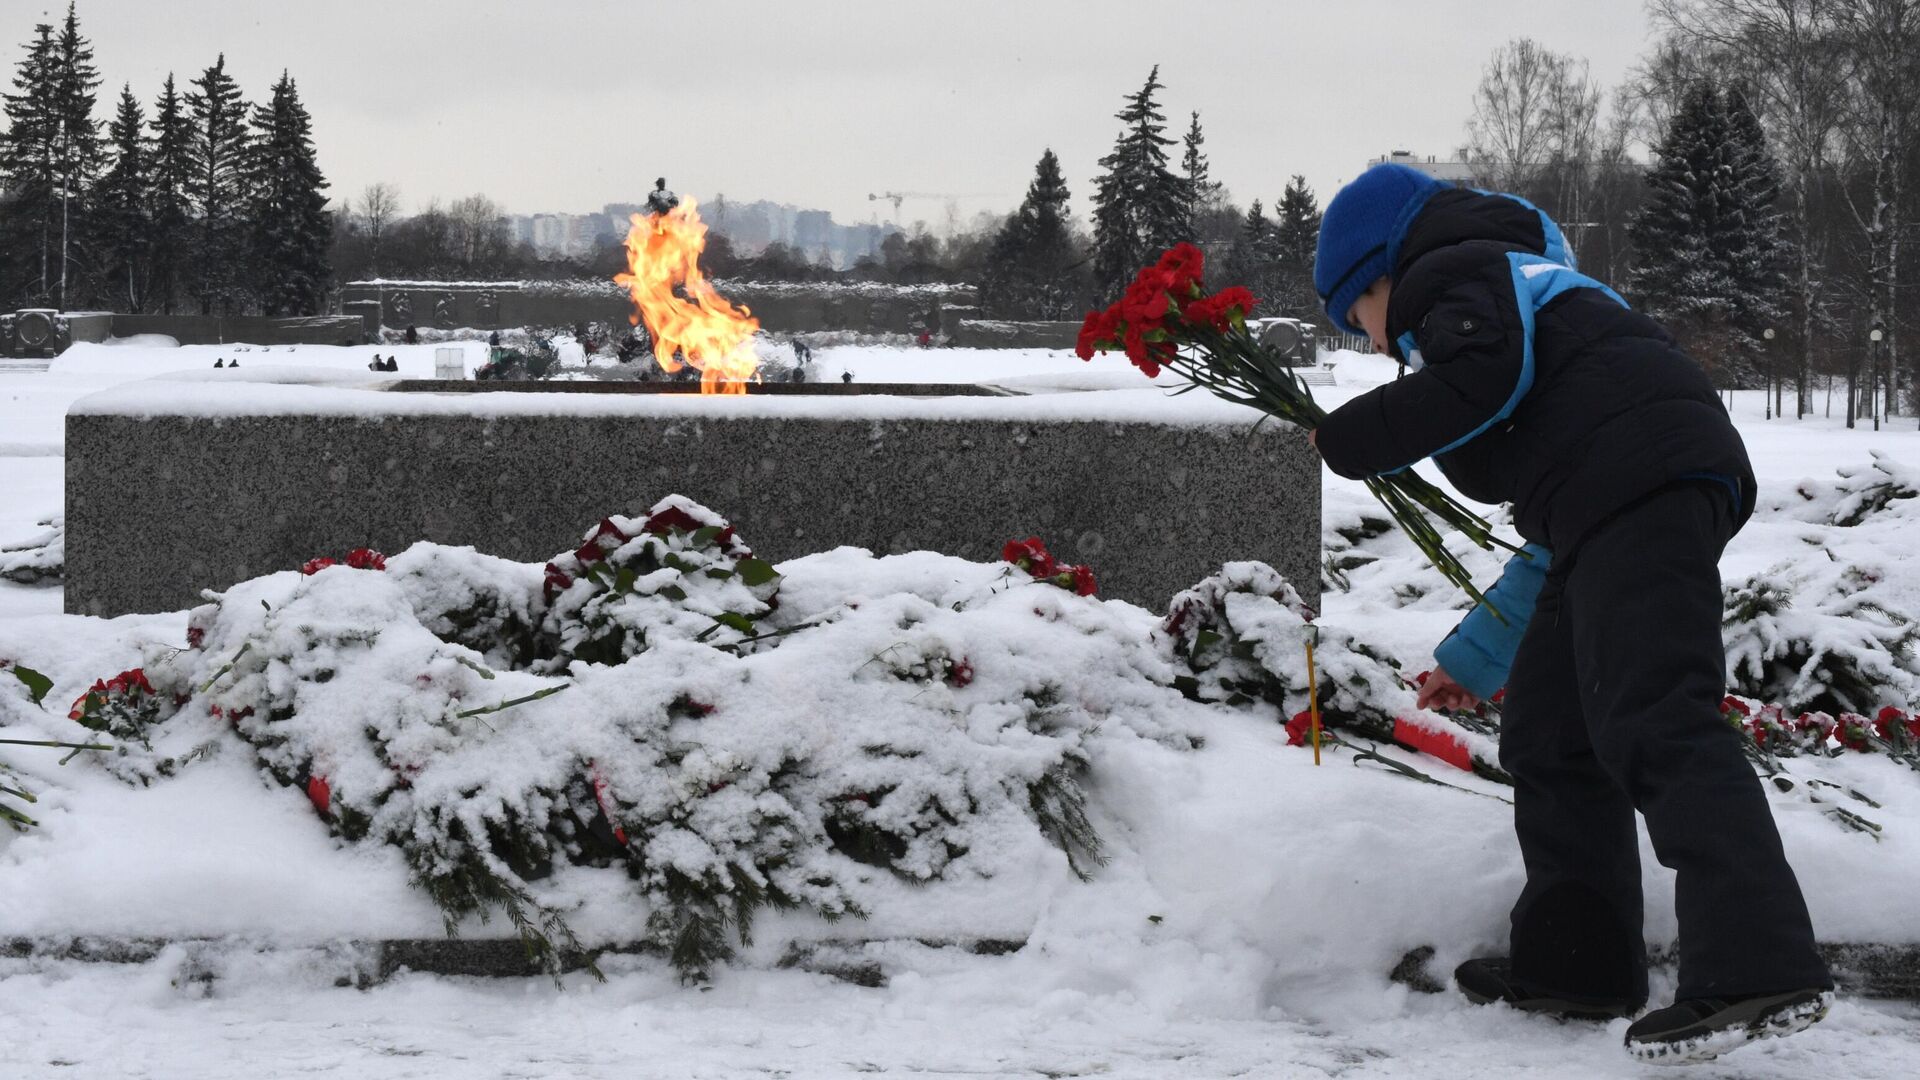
(208,205)
(1751,174)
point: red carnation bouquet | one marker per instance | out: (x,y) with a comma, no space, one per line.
(1167,320)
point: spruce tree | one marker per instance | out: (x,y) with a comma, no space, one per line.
(1140,206)
(170,181)
(123,222)
(28,174)
(1756,245)
(1296,236)
(1032,267)
(76,143)
(1203,194)
(217,191)
(1249,261)
(1683,232)
(292,230)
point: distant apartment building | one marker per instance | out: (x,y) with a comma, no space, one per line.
(750,226)
(1456,171)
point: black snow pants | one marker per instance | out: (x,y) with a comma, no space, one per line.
(1613,706)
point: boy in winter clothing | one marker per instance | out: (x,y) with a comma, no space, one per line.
(1534,385)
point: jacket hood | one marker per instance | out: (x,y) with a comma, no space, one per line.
(1458,215)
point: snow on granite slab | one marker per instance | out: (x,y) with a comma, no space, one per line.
(297,392)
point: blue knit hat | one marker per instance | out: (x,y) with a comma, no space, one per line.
(1360,231)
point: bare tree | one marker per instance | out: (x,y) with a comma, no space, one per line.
(1882,38)
(1536,131)
(1652,93)
(1616,191)
(1512,131)
(1786,54)
(478,232)
(379,205)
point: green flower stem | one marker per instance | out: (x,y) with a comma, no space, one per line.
(17,793)
(505,705)
(1236,368)
(222,673)
(1367,753)
(53,745)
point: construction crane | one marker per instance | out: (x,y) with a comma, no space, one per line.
(898,197)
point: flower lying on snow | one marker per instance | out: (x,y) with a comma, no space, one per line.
(357,559)
(1032,556)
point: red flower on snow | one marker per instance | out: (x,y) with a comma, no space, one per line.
(1892,722)
(1083,583)
(671,518)
(1851,731)
(320,794)
(125,684)
(358,559)
(1030,555)
(366,559)
(1300,728)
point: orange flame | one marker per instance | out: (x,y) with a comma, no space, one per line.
(696,323)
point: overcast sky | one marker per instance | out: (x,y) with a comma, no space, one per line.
(565,105)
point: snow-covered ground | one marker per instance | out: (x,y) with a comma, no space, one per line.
(1244,927)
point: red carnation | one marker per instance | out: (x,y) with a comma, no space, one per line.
(600,800)
(1851,730)
(1147,301)
(1892,722)
(671,518)
(320,794)
(960,673)
(366,559)
(1182,265)
(1096,333)
(557,580)
(1030,555)
(1730,705)
(1217,311)
(79,710)
(1083,583)
(196,635)
(314,566)
(1299,729)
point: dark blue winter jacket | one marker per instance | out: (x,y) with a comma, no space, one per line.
(1532,385)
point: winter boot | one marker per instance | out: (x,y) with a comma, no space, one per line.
(1701,1029)
(1489,979)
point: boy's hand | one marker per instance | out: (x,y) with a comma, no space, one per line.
(1441,692)
(1313,438)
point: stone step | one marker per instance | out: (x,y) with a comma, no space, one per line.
(368,963)
(1863,969)
(24,367)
